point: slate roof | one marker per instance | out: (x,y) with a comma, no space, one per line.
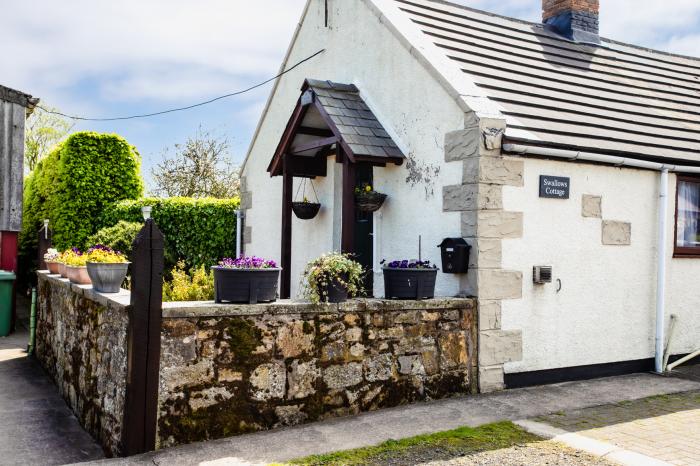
(356,123)
(615,98)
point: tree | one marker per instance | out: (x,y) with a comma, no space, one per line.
(42,132)
(199,168)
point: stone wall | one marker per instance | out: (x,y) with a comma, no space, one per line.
(81,341)
(229,369)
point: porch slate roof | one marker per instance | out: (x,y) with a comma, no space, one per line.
(356,123)
(614,98)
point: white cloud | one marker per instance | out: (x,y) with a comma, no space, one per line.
(101,58)
(156,49)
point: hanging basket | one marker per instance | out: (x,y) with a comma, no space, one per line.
(369,201)
(306,210)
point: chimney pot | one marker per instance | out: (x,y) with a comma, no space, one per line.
(577,20)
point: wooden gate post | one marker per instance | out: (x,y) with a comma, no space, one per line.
(143,351)
(45,234)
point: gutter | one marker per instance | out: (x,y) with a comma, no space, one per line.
(664,169)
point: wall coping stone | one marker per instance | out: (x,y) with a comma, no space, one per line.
(286,306)
(121,299)
(186,309)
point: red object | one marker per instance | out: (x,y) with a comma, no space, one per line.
(8,262)
(8,251)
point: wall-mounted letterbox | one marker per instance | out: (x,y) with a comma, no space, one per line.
(455,255)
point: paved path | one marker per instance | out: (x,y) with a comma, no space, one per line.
(665,427)
(36,426)
(406,421)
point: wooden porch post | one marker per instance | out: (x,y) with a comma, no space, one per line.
(286,248)
(347,240)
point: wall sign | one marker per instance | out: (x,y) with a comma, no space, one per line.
(556,187)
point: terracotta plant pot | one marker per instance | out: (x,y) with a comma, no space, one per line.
(245,285)
(53,267)
(409,283)
(78,275)
(62,270)
(107,278)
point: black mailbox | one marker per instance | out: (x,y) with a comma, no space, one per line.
(455,255)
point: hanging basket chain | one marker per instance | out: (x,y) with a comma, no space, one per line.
(296,196)
(312,187)
(302,188)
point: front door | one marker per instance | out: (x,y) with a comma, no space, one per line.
(364,228)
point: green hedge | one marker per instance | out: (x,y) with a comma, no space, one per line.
(72,186)
(198,231)
(119,237)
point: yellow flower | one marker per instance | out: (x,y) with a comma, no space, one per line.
(368,188)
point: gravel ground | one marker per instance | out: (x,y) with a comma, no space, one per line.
(533,454)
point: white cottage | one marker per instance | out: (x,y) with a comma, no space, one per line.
(539,144)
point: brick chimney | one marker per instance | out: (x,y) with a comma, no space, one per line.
(577,20)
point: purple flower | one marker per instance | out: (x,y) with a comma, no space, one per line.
(243,262)
(410,264)
(101,247)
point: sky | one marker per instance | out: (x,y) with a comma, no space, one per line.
(106,58)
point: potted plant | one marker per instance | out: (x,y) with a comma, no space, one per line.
(106,268)
(76,267)
(245,280)
(51,259)
(331,278)
(61,259)
(404,279)
(367,199)
(306,210)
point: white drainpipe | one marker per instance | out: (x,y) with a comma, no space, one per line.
(661,272)
(239,224)
(663,217)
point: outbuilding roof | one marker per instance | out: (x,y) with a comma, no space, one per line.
(16,97)
(613,98)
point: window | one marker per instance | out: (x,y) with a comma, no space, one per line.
(688,217)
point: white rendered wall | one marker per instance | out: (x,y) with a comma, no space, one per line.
(414,109)
(605,311)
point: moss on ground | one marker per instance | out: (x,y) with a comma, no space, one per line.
(441,445)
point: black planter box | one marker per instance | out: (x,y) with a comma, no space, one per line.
(409,283)
(245,285)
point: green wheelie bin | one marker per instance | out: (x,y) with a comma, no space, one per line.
(7,280)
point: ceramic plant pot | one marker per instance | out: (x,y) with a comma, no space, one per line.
(409,283)
(245,285)
(62,270)
(53,267)
(78,275)
(107,278)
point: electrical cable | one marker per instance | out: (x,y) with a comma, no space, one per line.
(145,115)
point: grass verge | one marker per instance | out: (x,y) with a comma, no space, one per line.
(429,447)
